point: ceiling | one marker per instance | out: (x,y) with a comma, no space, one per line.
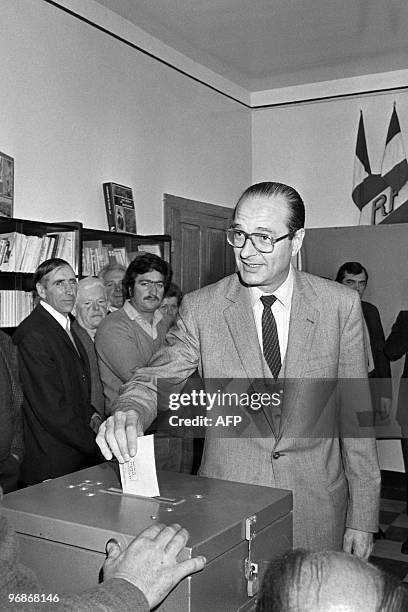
(264,44)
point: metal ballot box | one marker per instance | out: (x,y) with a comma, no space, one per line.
(64,524)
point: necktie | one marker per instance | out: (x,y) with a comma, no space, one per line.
(68,330)
(270,338)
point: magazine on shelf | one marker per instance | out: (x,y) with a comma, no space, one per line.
(120,208)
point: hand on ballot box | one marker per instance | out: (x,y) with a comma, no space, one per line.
(117,436)
(150,561)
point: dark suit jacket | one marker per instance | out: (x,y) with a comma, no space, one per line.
(97,397)
(56,407)
(11,424)
(396,347)
(382,386)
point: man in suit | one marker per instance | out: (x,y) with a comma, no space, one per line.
(309,339)
(91,307)
(396,346)
(54,371)
(352,274)
(11,422)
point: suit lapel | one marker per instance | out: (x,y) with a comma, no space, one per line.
(61,333)
(304,318)
(241,324)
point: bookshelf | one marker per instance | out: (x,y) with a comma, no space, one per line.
(102,247)
(24,244)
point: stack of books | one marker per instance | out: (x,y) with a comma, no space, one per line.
(21,253)
(14,307)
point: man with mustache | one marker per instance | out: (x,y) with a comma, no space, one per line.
(55,376)
(127,338)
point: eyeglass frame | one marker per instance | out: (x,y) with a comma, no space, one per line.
(271,238)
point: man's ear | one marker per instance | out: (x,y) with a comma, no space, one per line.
(297,241)
(41,290)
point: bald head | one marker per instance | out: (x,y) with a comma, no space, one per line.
(329,581)
(91,303)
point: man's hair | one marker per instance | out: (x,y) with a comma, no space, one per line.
(110,268)
(89,281)
(174,291)
(350,267)
(46,267)
(294,581)
(143,264)
(271,190)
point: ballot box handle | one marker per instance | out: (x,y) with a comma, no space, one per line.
(251,568)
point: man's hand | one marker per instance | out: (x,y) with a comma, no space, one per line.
(359,543)
(150,561)
(118,435)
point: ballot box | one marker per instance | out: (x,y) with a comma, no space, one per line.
(63,526)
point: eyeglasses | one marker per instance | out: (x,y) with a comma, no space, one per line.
(261,242)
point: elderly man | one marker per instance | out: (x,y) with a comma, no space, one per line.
(91,307)
(55,377)
(267,323)
(112,276)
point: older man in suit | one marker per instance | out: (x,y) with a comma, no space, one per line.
(54,371)
(91,307)
(269,322)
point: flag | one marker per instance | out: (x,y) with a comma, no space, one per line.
(365,185)
(394,168)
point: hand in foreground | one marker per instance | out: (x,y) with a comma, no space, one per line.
(358,543)
(149,562)
(118,435)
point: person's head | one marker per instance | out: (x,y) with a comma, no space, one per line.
(352,274)
(171,302)
(55,283)
(146,281)
(91,303)
(303,581)
(273,214)
(112,276)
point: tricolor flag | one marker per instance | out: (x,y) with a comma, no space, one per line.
(366,186)
(394,168)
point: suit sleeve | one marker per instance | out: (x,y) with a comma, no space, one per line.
(359,450)
(167,371)
(58,413)
(396,345)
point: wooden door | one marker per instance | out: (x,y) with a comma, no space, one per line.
(200,253)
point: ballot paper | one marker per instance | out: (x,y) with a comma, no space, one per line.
(138,476)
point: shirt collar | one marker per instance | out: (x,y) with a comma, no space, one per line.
(135,315)
(283,293)
(60,318)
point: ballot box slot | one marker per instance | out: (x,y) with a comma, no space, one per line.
(173,501)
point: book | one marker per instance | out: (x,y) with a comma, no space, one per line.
(120,208)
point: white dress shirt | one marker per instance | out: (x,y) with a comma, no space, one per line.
(60,318)
(280,309)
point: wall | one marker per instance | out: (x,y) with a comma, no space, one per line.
(311,146)
(79,108)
